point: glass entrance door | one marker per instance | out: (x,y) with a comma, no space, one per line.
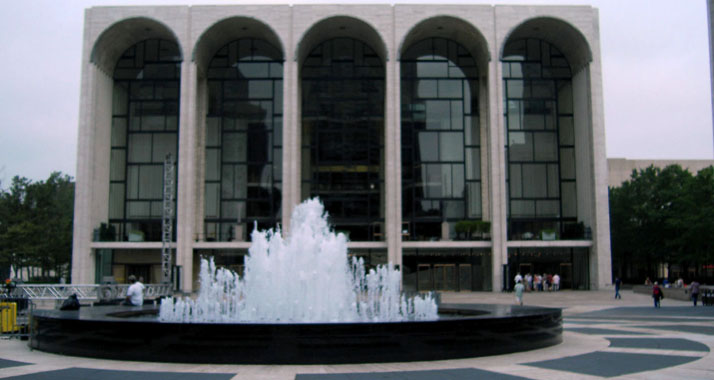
(566,276)
(444,277)
(465,277)
(424,277)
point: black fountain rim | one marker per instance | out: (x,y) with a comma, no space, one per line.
(108,332)
(148,313)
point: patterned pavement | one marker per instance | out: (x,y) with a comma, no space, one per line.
(602,339)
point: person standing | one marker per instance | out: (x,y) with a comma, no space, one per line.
(657,294)
(694,290)
(556,282)
(518,278)
(135,293)
(519,292)
(618,283)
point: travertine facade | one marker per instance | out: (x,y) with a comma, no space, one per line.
(199,32)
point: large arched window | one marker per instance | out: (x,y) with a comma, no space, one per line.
(441,165)
(540,149)
(243,176)
(144,130)
(343,135)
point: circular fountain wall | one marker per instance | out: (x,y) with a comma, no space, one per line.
(462,331)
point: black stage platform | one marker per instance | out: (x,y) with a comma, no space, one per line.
(134,333)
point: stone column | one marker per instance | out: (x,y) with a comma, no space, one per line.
(601,209)
(291,141)
(81,250)
(392,145)
(186,165)
(497,170)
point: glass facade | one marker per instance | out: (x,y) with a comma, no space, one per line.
(441,148)
(540,137)
(145,113)
(465,269)
(243,173)
(343,135)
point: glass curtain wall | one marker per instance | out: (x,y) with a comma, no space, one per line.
(145,117)
(441,152)
(243,140)
(343,135)
(540,137)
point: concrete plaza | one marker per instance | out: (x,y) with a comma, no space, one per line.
(602,338)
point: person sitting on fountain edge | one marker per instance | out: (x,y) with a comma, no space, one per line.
(135,293)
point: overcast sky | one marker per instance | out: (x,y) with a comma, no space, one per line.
(655,58)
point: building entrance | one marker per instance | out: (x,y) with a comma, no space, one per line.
(446,270)
(571,264)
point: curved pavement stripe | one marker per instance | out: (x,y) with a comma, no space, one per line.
(677,344)
(439,374)
(601,331)
(105,374)
(4,363)
(608,364)
(704,330)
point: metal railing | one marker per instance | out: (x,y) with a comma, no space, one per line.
(85,292)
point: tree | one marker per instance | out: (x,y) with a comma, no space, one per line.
(36,224)
(661,216)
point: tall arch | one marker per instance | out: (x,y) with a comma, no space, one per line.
(340,26)
(450,55)
(239,63)
(117,38)
(549,162)
(231,29)
(453,29)
(561,34)
(342,82)
(144,130)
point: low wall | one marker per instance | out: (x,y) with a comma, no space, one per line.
(681,294)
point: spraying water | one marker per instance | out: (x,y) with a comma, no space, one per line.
(307,277)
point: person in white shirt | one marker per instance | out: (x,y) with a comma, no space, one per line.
(135,293)
(518,278)
(556,282)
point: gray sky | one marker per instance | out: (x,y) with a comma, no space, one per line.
(655,57)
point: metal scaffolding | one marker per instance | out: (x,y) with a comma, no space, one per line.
(167,225)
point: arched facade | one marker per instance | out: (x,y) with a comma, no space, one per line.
(407,120)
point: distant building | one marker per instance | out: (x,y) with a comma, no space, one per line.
(414,124)
(620,169)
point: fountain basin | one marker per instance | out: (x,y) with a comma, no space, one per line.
(134,333)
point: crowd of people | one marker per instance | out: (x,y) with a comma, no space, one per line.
(541,283)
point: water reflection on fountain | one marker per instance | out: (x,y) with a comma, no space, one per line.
(307,277)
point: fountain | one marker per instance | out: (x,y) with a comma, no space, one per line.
(306,278)
(301,300)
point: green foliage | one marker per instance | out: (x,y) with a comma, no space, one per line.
(468,227)
(36,223)
(662,216)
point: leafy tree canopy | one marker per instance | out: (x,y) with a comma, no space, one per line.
(36,224)
(662,216)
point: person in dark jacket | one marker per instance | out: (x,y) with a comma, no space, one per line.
(618,283)
(694,291)
(657,294)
